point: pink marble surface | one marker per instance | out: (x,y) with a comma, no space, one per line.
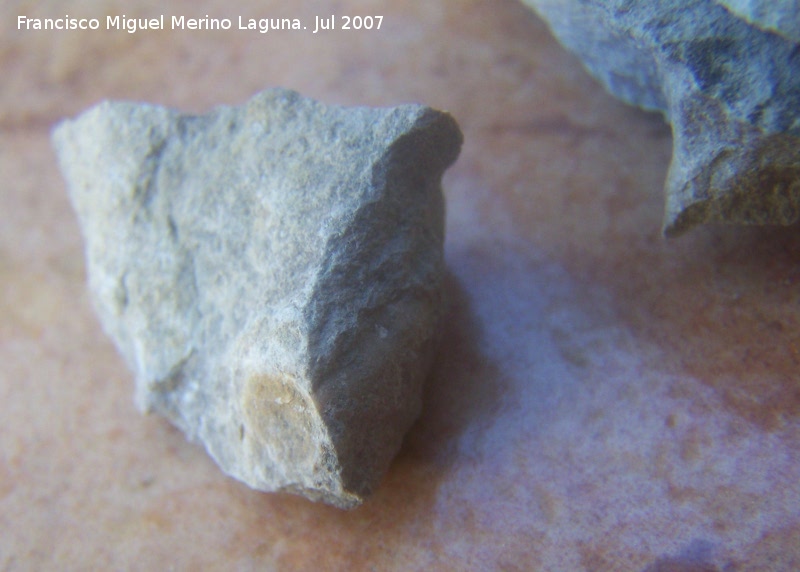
(603,399)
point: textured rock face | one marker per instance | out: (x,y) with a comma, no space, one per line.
(779,16)
(729,86)
(271,273)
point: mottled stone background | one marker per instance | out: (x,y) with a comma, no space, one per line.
(603,400)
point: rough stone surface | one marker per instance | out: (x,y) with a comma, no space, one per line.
(778,16)
(729,86)
(272,274)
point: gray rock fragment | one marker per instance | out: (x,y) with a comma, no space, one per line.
(272,274)
(778,16)
(730,89)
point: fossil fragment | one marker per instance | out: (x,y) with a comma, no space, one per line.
(729,86)
(271,273)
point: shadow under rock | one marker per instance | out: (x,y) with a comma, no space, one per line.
(465,386)
(724,301)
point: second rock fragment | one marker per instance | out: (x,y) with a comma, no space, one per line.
(726,73)
(271,273)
